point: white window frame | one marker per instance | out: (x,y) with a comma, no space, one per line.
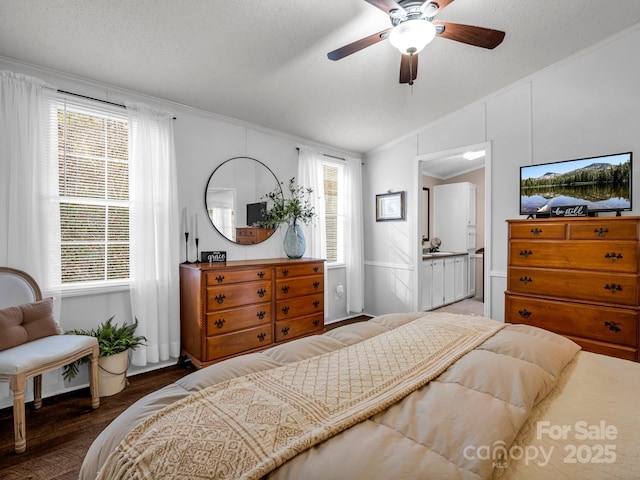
(98,286)
(340,240)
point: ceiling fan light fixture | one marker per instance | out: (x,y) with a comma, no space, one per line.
(411,36)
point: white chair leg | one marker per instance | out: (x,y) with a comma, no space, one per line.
(93,377)
(18,384)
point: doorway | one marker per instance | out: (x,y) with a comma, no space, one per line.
(464,164)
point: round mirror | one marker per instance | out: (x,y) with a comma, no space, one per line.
(236,199)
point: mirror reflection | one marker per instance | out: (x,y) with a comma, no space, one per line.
(234,199)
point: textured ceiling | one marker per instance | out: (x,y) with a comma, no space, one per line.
(264,62)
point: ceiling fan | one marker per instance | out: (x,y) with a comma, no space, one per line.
(413,27)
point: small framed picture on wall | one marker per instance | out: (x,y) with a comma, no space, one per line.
(390,206)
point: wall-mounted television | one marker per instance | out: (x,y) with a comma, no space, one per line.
(601,183)
(255,213)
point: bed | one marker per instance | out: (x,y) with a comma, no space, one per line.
(405,396)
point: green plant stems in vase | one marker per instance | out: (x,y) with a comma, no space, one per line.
(295,209)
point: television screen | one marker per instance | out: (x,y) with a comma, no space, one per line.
(603,184)
(255,213)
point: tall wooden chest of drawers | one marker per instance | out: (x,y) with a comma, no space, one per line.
(577,277)
(227,309)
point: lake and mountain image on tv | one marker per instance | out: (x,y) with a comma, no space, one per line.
(600,183)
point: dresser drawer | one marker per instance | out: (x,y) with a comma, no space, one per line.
(225,321)
(298,307)
(297,270)
(618,230)
(612,325)
(619,256)
(223,298)
(612,288)
(603,348)
(290,329)
(220,346)
(225,277)
(538,231)
(296,287)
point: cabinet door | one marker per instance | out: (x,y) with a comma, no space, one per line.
(426,285)
(449,280)
(460,278)
(437,284)
(471,192)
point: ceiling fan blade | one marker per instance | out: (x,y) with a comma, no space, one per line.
(358,45)
(387,5)
(477,36)
(408,69)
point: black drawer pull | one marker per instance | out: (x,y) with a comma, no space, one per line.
(316,268)
(219,323)
(285,272)
(261,292)
(285,330)
(220,298)
(316,284)
(219,278)
(285,288)
(316,322)
(285,309)
(261,275)
(613,288)
(316,303)
(526,280)
(261,336)
(526,253)
(261,314)
(613,256)
(613,326)
(601,232)
(536,231)
(524,313)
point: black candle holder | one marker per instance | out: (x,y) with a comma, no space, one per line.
(197,251)
(186,248)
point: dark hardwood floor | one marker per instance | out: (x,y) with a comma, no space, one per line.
(60,433)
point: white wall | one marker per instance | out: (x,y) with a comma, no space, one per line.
(202,141)
(587,105)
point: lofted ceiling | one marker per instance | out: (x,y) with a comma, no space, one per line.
(265,62)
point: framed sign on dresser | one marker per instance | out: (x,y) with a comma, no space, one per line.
(227,309)
(577,277)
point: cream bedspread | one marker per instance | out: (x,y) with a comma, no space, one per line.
(495,393)
(248,426)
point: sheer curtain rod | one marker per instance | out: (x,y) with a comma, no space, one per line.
(327,155)
(95,99)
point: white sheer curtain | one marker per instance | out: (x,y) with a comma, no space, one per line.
(153,233)
(310,176)
(29,212)
(354,243)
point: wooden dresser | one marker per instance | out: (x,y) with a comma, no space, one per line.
(577,277)
(231,308)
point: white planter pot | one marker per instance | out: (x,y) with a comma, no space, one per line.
(112,373)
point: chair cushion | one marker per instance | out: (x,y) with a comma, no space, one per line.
(24,323)
(44,351)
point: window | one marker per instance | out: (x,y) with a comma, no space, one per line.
(334,191)
(94,195)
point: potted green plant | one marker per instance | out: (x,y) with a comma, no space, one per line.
(114,342)
(292,210)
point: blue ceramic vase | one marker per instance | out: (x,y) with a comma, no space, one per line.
(294,242)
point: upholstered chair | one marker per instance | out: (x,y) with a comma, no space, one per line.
(31,343)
